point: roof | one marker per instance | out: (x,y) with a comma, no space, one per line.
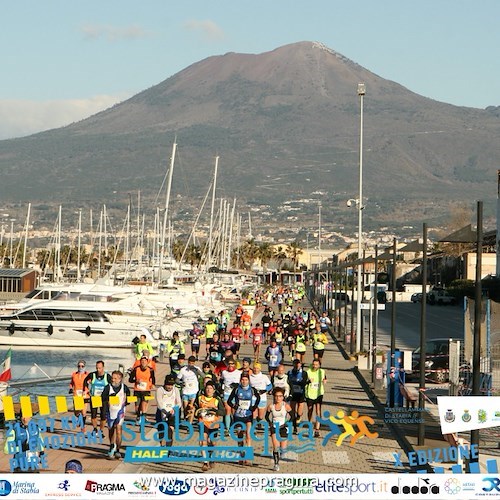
(464,235)
(14,273)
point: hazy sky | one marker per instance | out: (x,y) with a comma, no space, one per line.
(64,60)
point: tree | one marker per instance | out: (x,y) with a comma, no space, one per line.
(293,251)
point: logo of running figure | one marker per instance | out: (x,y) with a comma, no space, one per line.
(348,423)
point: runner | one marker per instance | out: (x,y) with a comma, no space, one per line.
(143,378)
(274,355)
(95,382)
(115,413)
(189,377)
(277,415)
(215,351)
(280,379)
(141,345)
(319,340)
(195,334)
(210,330)
(243,400)
(236,334)
(261,383)
(290,332)
(297,380)
(324,322)
(246,324)
(229,379)
(228,343)
(266,323)
(301,341)
(245,366)
(209,410)
(257,336)
(77,388)
(314,392)
(168,401)
(174,348)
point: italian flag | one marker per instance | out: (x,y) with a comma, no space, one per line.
(5,373)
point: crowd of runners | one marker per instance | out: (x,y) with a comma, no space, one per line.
(211,382)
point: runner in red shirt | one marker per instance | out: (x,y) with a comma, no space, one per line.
(236,334)
(257,334)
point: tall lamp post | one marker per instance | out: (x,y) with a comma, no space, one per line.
(361,93)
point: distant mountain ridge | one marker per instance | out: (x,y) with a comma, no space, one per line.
(285,124)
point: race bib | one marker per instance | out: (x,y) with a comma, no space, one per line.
(98,391)
(195,341)
(273,358)
(300,348)
(244,405)
(190,386)
(79,392)
(174,356)
(266,325)
(142,386)
(318,345)
(315,385)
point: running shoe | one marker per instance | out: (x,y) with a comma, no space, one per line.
(111,452)
(276,467)
(205,467)
(118,455)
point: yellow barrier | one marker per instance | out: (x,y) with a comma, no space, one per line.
(25,407)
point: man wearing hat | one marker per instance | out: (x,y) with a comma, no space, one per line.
(168,401)
(189,376)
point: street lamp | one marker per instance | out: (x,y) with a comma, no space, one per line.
(359,204)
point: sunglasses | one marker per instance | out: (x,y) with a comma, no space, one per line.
(81,366)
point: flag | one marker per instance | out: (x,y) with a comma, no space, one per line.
(5,373)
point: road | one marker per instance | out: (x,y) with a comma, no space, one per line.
(442,321)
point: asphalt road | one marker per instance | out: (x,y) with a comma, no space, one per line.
(442,321)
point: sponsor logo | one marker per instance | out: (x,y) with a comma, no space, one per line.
(177,487)
(449,416)
(104,488)
(64,485)
(24,487)
(141,486)
(452,486)
(493,484)
(5,488)
(423,487)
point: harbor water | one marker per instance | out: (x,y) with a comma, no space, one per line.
(48,371)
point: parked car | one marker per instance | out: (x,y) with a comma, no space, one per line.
(437,360)
(440,297)
(416,298)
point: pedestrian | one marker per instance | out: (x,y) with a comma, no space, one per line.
(78,388)
(314,392)
(115,412)
(95,382)
(277,415)
(168,403)
(143,378)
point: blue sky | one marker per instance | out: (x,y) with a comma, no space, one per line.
(64,60)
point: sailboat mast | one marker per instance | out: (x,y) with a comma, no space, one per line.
(165,215)
(79,254)
(210,231)
(26,235)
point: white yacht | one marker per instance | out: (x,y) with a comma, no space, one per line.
(60,323)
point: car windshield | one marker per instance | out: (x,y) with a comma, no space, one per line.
(435,347)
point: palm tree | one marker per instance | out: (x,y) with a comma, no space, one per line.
(193,255)
(249,252)
(280,256)
(293,251)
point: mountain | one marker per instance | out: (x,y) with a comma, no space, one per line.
(286,126)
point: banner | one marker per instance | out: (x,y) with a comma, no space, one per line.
(465,413)
(255,487)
